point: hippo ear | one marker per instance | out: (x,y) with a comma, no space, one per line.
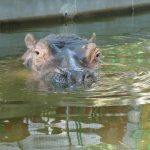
(30,41)
(93,38)
(89,51)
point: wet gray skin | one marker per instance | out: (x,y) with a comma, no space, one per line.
(62,60)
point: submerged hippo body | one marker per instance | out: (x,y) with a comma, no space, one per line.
(65,60)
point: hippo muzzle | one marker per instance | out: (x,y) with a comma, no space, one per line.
(71,76)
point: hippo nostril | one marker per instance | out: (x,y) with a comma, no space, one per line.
(89,77)
(60,77)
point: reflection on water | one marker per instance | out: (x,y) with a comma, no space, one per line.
(113,114)
(114,127)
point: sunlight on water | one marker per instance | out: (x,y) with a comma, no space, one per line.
(123,76)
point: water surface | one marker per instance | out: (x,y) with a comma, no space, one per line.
(113,114)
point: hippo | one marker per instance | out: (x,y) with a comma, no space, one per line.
(62,59)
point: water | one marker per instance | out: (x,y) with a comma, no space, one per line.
(113,114)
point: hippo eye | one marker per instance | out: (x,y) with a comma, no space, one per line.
(37,52)
(97,55)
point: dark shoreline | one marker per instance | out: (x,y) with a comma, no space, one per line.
(51,20)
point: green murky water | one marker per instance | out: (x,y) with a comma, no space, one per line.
(114,114)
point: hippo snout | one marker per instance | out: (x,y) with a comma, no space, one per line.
(70,76)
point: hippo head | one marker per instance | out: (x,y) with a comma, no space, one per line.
(62,59)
